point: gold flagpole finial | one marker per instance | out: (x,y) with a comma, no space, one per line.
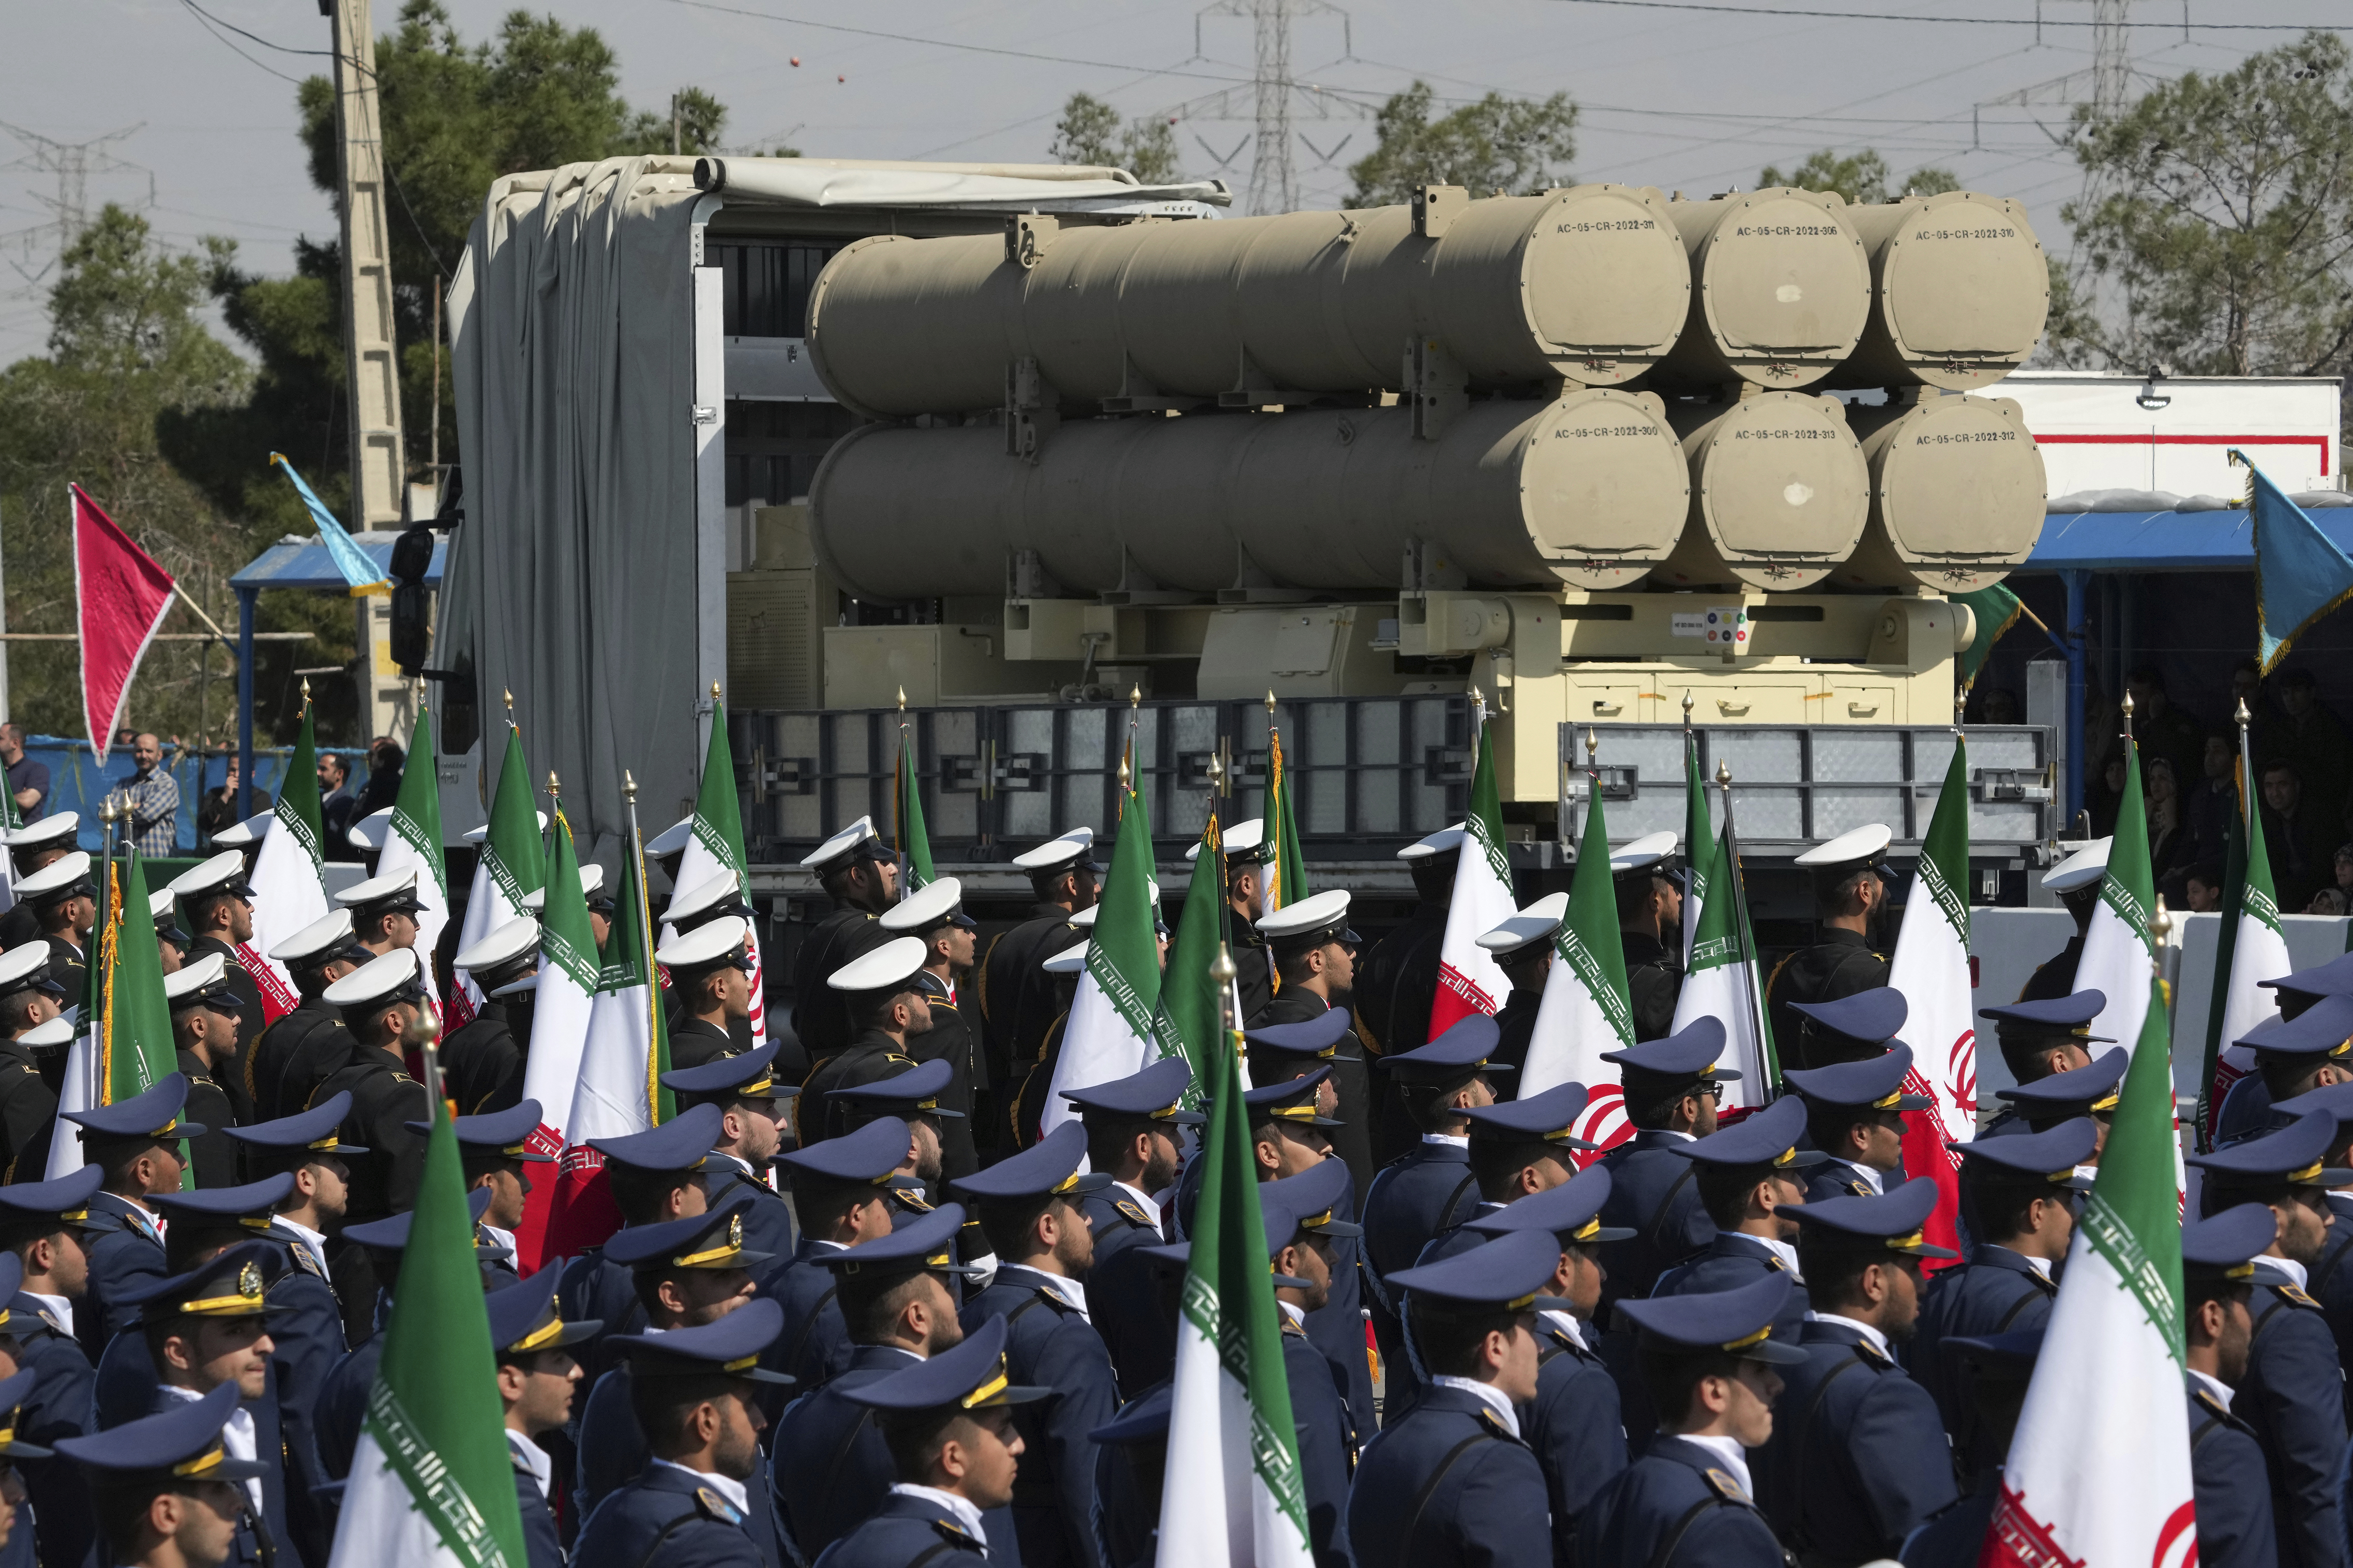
(106,811)
(1270,700)
(1688,706)
(902,700)
(629,785)
(306,691)
(553,789)
(2160,923)
(1723,775)
(1135,695)
(2243,718)
(1592,745)
(2125,708)
(715,691)
(1221,968)
(506,694)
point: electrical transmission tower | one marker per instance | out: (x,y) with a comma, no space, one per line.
(73,163)
(1275,96)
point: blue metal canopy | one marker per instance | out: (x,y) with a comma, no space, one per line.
(305,563)
(2163,540)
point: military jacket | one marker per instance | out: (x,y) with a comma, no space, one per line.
(2233,1492)
(667,1518)
(1676,1507)
(1447,1484)
(1050,1343)
(1858,1459)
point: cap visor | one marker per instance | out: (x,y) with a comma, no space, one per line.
(1184,1119)
(1022,1394)
(1926,1250)
(14,1451)
(1726,1075)
(526,1157)
(197,1130)
(2078,1183)
(2330,1176)
(1343,1229)
(1291,1282)
(237,1470)
(1803,1157)
(1773,1354)
(1578,1144)
(342,1149)
(1608,1233)
(1096,1181)
(1914,1101)
(762,1375)
(572,1333)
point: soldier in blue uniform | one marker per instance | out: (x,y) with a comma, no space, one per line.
(655,1176)
(2292,1393)
(1671,1087)
(2226,1461)
(2090,1092)
(170,1488)
(1029,1206)
(1130,1458)
(1517,1148)
(842,1190)
(45,1228)
(531,1345)
(1997,1368)
(696,1395)
(1287,1119)
(912,1094)
(1453,1481)
(2043,1039)
(493,1148)
(2298,993)
(1312,954)
(752,1117)
(1752,1182)
(17,1548)
(1859,1460)
(1714,1368)
(1302,1246)
(1573,1425)
(685,1274)
(953,1425)
(1429,1189)
(829,1467)
(1133,1129)
(136,1143)
(2331,1281)
(1854,1115)
(2293,1056)
(2022,1192)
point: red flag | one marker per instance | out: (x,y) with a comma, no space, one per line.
(121,596)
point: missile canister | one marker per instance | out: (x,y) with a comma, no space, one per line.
(1957,493)
(1588,285)
(1781,289)
(1960,290)
(1589,490)
(1780,492)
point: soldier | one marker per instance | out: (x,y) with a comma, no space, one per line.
(1523,947)
(1850,892)
(592,889)
(933,914)
(1398,978)
(537,1376)
(695,1393)
(686,1273)
(47,1229)
(1752,1180)
(953,1425)
(135,1144)
(1517,1149)
(1996,1369)
(714,899)
(28,1107)
(383,910)
(2293,1394)
(295,1054)
(219,902)
(1017,997)
(170,941)
(2077,882)
(1854,1115)
(32,849)
(2293,1056)
(2330,1280)
(380,1002)
(750,1131)
(2021,1193)
(884,1004)
(1313,952)
(1453,1480)
(492,1150)
(2303,989)
(481,1060)
(172,1488)
(655,1176)
(204,1024)
(912,1094)
(2089,1092)
(1029,1205)
(17,1546)
(1863,1463)
(1650,927)
(711,982)
(2043,1039)
(841,1191)
(1857,1027)
(2226,1460)
(1305,1207)
(1247,850)
(1135,1132)
(858,873)
(1712,1367)
(1671,1087)
(64,902)
(1131,1458)
(829,1469)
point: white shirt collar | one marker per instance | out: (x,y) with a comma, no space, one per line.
(315,1242)
(2281,1271)
(1727,1450)
(1144,1201)
(820,1241)
(1878,1340)
(1687,1137)
(236,1438)
(966,1513)
(59,1308)
(535,1459)
(1785,1251)
(1875,1180)
(2040,1265)
(1564,1320)
(1298,1315)
(1490,1395)
(2213,1385)
(725,1485)
(1069,1290)
(1448,1139)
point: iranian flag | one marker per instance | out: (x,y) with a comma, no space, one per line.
(1584,1010)
(716,846)
(414,840)
(568,967)
(1187,1022)
(508,866)
(1286,873)
(2252,949)
(2098,1474)
(1719,963)
(432,1484)
(1231,1495)
(125,1046)
(1931,970)
(289,891)
(907,834)
(622,1058)
(2118,949)
(1469,979)
(120,599)
(1109,1033)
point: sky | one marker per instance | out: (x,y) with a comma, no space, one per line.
(1690,99)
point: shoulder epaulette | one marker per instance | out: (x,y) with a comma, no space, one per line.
(713,1506)
(1858,1190)
(956,1535)
(1725,1487)
(1133,1210)
(2205,1397)
(304,1261)
(1872,1357)
(1775,1266)
(2296,1296)
(913,1200)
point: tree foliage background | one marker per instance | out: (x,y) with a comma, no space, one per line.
(1089,134)
(1511,146)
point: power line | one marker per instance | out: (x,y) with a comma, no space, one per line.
(255,37)
(1959,21)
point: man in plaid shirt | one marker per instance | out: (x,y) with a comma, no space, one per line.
(154,800)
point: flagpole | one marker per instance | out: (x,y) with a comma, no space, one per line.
(646,940)
(1752,979)
(898,795)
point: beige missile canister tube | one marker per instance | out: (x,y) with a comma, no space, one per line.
(1587,286)
(1589,491)
(1780,492)
(1957,493)
(1781,291)
(1960,292)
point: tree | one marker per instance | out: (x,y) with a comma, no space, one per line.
(1089,134)
(2221,209)
(1860,178)
(1498,145)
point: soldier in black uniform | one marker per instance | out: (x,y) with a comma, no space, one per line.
(170,941)
(1523,946)
(1017,1003)
(935,915)
(1247,852)
(713,899)
(204,1028)
(1315,955)
(28,1107)
(2076,880)
(711,983)
(885,1002)
(383,910)
(1397,981)
(64,901)
(1849,893)
(858,873)
(1650,927)
(380,1003)
(481,1060)
(30,849)
(295,1054)
(219,902)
